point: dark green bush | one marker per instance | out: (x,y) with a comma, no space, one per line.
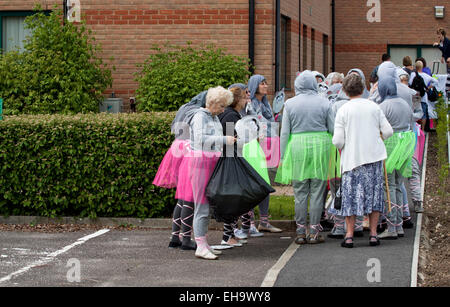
(92,165)
(172,75)
(59,70)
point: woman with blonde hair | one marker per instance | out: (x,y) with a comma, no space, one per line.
(206,141)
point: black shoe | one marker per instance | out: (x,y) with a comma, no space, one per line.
(381,228)
(188,245)
(326,225)
(347,245)
(333,236)
(358,234)
(174,244)
(408,224)
(374,243)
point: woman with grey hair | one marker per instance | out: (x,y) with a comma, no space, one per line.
(357,130)
(206,141)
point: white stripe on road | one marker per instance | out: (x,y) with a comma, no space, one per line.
(415,262)
(51,256)
(272,274)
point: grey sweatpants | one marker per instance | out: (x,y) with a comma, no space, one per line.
(201,220)
(395,216)
(314,189)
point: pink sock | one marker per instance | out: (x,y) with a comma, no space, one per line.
(201,242)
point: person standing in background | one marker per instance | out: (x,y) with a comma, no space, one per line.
(444,46)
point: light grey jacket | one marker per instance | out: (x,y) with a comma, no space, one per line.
(306,112)
(206,132)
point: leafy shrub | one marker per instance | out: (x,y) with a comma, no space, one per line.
(172,75)
(441,145)
(84,165)
(58,71)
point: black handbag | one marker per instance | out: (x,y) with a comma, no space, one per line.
(433,94)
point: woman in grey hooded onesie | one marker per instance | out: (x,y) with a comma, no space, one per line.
(270,144)
(305,152)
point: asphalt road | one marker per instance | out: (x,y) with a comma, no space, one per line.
(130,258)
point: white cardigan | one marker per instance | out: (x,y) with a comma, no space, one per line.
(357,132)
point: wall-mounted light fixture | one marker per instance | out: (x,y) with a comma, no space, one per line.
(439,11)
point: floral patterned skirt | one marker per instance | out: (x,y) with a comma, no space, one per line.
(362,190)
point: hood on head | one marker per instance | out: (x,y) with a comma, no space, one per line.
(318,74)
(359,72)
(387,88)
(388,69)
(242,86)
(306,83)
(366,93)
(254,83)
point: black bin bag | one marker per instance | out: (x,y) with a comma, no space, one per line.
(234,189)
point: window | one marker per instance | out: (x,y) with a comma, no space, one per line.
(12,29)
(325,55)
(313,49)
(430,54)
(305,47)
(285,53)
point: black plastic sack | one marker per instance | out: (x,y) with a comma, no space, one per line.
(234,189)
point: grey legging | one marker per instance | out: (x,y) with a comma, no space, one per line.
(315,189)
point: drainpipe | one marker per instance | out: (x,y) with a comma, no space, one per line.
(64,11)
(299,35)
(333,34)
(277,45)
(251,34)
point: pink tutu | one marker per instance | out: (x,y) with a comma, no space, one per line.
(194,174)
(167,175)
(271,148)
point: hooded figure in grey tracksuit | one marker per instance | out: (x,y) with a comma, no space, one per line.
(270,144)
(184,115)
(306,121)
(399,115)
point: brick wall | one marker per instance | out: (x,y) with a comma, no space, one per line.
(127,30)
(360,43)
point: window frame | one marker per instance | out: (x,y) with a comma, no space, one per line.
(16,14)
(285,64)
(418,48)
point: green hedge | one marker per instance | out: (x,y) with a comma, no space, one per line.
(90,165)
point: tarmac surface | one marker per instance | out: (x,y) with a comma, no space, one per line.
(131,258)
(141,258)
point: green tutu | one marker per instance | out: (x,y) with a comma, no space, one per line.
(254,155)
(400,149)
(308,155)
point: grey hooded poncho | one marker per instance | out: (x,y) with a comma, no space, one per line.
(184,115)
(261,109)
(397,111)
(306,112)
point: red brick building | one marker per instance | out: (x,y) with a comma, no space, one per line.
(127,29)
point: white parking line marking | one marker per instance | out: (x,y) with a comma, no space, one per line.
(272,274)
(51,256)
